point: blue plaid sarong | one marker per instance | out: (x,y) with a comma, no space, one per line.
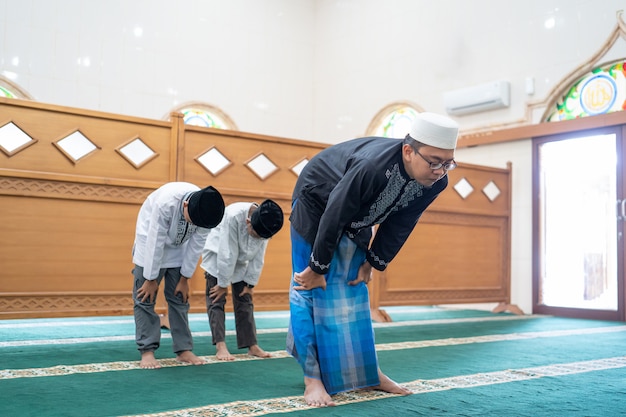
(330,331)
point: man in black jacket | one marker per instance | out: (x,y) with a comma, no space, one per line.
(340,195)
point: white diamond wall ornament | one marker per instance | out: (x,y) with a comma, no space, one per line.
(76,146)
(262,166)
(491,190)
(213,161)
(297,168)
(13,139)
(464,188)
(137,152)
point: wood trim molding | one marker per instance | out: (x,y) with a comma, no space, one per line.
(27,187)
(467,140)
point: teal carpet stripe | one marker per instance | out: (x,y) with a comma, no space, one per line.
(79,327)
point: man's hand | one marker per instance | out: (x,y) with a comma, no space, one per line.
(182,288)
(246,290)
(308,279)
(148,291)
(217,292)
(364,274)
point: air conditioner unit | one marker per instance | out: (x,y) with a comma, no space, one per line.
(489,96)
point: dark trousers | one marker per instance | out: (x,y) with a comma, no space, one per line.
(244,314)
(147,321)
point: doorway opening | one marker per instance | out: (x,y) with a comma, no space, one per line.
(578,226)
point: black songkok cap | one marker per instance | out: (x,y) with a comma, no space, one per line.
(267,219)
(206,208)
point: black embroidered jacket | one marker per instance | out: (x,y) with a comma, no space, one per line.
(352,186)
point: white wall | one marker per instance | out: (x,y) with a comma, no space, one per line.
(308,69)
(370,53)
(253,59)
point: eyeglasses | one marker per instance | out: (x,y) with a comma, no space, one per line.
(446,165)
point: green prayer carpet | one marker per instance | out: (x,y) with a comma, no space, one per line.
(456,362)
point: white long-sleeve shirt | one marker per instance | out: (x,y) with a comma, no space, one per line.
(163,238)
(231,254)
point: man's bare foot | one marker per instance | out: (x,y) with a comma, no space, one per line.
(148,361)
(255,350)
(390,386)
(222,352)
(315,393)
(187,356)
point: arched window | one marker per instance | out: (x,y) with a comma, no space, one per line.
(394,121)
(601,90)
(205,115)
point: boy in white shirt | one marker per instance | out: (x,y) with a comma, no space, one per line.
(234,255)
(172,226)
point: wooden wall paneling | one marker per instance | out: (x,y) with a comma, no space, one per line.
(460,250)
(479,178)
(239,148)
(450,259)
(65,257)
(69,225)
(48,125)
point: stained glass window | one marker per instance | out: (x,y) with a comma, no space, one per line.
(602,90)
(4,92)
(199,117)
(397,123)
(205,115)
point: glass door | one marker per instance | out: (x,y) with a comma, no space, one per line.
(578,218)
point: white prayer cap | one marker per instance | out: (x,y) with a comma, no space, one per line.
(435,130)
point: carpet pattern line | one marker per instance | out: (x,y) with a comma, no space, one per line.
(61,370)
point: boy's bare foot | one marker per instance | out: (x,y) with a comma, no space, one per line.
(148,361)
(188,356)
(390,386)
(315,393)
(255,350)
(222,352)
